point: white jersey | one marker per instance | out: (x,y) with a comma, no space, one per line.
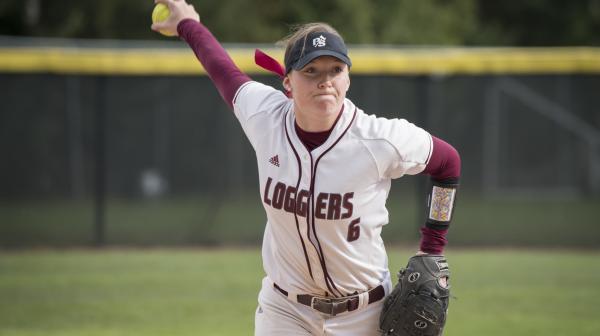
(326,208)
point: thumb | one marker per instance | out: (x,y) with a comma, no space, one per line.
(164,28)
(157,26)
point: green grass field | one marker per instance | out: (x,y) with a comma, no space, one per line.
(213,292)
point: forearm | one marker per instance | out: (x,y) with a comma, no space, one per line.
(226,76)
(444,169)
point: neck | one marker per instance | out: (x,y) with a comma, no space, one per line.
(319,123)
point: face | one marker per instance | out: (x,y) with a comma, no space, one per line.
(319,88)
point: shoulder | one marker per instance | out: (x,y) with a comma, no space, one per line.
(392,141)
(371,127)
(254,98)
(252,91)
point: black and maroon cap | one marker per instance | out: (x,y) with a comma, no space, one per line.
(314,45)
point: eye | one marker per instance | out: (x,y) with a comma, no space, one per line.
(309,70)
(338,69)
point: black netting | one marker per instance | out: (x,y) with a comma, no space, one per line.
(173,149)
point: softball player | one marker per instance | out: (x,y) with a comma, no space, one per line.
(325,168)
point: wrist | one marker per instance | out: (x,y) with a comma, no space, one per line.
(183,25)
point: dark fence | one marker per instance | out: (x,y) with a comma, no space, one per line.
(160,160)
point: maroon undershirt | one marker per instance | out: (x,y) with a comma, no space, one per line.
(311,140)
(444,162)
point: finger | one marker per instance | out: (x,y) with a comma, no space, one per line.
(157,26)
(168,3)
(162,29)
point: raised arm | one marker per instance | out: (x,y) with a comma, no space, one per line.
(184,21)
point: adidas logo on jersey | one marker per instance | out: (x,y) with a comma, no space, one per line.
(274,160)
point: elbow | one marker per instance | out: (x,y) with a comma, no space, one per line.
(445,162)
(454,163)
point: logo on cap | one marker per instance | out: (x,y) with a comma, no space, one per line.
(319,41)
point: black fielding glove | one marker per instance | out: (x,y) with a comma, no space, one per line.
(418,305)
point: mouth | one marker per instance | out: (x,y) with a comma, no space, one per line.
(325,95)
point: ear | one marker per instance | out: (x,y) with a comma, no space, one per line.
(347,83)
(286,84)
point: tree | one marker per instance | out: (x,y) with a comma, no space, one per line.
(399,22)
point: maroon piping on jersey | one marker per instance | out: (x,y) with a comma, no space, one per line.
(296,203)
(330,284)
(311,215)
(310,141)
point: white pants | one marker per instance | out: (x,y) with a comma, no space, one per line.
(277,315)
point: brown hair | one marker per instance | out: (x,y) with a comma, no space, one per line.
(300,32)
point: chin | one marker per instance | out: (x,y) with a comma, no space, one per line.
(327,109)
(328,104)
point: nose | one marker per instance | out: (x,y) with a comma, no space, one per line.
(325,82)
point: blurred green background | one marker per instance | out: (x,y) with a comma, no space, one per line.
(425,22)
(129,199)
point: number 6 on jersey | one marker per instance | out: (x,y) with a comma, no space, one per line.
(354,230)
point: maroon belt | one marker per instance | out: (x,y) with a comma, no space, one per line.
(334,306)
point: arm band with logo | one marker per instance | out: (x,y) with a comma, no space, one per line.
(440,203)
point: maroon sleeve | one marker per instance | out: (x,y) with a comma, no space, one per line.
(433,241)
(444,162)
(444,165)
(226,76)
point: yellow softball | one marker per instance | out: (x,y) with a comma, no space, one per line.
(159,14)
